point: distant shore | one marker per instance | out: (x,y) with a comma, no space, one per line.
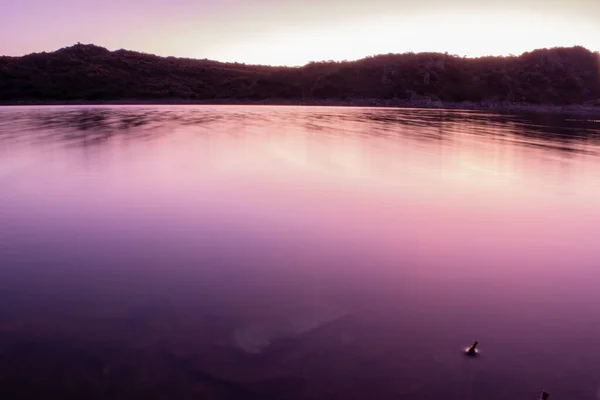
(502,107)
(534,82)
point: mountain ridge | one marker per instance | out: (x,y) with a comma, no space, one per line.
(86,72)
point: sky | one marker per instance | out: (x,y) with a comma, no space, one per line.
(294,32)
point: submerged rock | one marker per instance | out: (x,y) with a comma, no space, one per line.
(257,338)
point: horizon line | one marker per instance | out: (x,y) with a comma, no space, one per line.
(510,55)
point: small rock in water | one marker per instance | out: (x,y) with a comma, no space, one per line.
(472,351)
(544,395)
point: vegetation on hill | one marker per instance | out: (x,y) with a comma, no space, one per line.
(557,76)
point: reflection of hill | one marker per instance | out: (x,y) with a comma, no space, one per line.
(87,72)
(95,125)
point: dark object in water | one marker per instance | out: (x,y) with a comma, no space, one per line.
(544,395)
(472,351)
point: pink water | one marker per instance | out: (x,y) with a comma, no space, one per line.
(298,252)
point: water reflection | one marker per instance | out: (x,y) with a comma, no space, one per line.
(297,252)
(562,132)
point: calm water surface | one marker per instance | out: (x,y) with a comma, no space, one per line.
(297,253)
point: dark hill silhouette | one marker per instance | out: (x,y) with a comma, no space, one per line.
(559,76)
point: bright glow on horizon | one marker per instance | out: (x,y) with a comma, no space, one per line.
(470,35)
(294,32)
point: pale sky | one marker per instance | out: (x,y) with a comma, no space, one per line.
(294,32)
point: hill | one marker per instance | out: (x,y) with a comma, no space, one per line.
(558,76)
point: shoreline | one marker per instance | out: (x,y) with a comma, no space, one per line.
(501,107)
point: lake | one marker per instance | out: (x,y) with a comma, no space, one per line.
(256,252)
